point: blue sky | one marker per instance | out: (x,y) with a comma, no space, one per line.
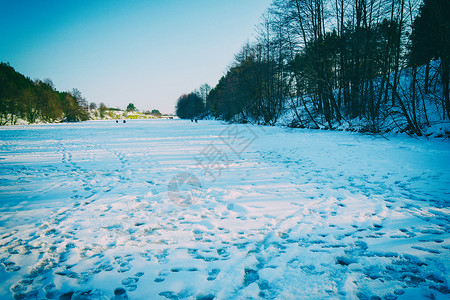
(116,52)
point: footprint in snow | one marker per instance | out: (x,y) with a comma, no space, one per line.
(250,276)
(120,294)
(212,274)
(123,262)
(21,286)
(130,281)
(162,276)
(50,291)
(11,266)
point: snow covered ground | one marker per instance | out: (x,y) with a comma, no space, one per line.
(172,209)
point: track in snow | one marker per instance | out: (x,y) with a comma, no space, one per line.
(304,214)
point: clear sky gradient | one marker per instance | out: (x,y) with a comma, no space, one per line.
(116,52)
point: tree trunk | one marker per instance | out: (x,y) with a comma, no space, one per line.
(427,77)
(397,54)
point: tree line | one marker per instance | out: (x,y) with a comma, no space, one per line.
(372,63)
(21,97)
(193,105)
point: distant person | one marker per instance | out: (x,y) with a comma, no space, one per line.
(124,121)
(192,120)
(117,121)
(196,121)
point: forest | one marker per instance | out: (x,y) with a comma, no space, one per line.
(370,65)
(21,97)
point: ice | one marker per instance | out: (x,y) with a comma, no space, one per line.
(276,213)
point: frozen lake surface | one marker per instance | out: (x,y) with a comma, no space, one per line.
(169,209)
